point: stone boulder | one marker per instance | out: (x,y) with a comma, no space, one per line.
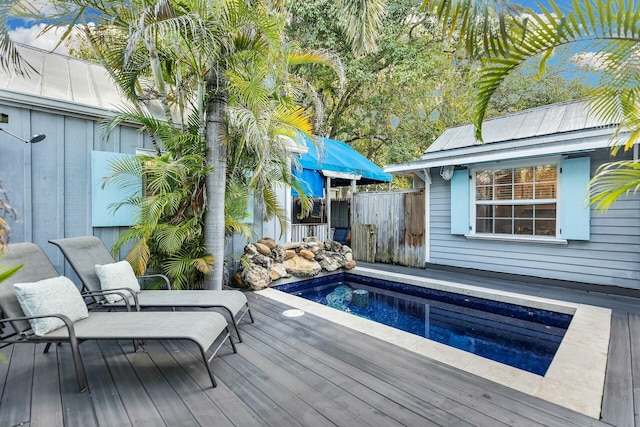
(250,249)
(302,267)
(310,239)
(345,250)
(263,249)
(289,253)
(290,245)
(348,256)
(278,271)
(278,253)
(268,242)
(330,261)
(305,253)
(332,246)
(350,265)
(263,261)
(256,277)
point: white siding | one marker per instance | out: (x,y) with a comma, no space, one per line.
(611,257)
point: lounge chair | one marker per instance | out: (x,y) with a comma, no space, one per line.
(203,328)
(83,253)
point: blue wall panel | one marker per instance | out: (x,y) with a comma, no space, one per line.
(460,202)
(574,207)
(103,213)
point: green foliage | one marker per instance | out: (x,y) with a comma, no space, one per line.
(401,97)
(610,31)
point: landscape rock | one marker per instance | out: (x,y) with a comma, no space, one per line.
(310,239)
(350,265)
(332,245)
(268,242)
(302,267)
(345,250)
(305,253)
(331,261)
(348,256)
(290,245)
(250,249)
(263,249)
(278,253)
(263,261)
(289,254)
(316,249)
(256,278)
(278,271)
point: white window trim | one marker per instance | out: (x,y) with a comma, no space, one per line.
(555,160)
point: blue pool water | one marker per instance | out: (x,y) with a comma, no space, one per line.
(519,336)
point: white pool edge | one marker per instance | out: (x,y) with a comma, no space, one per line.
(574,380)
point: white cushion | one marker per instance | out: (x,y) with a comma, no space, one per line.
(51,296)
(115,276)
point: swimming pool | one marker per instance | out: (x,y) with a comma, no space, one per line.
(523,337)
(575,378)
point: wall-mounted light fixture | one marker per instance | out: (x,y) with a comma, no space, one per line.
(4,118)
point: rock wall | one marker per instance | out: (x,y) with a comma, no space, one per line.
(264,262)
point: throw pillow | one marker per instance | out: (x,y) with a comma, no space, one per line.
(57,295)
(115,276)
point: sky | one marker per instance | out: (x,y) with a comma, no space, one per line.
(30,33)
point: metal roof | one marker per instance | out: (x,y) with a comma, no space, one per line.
(546,120)
(65,83)
(548,130)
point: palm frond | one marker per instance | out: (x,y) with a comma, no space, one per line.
(612,181)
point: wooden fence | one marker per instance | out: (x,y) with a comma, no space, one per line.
(397,222)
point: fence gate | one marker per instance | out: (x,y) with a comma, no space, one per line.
(363,242)
(397,221)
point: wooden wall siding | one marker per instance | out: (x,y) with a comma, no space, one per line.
(49,183)
(363,242)
(610,257)
(399,221)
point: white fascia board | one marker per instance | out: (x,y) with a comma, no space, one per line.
(553,145)
(53,105)
(341,175)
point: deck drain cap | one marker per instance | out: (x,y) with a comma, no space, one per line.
(293,313)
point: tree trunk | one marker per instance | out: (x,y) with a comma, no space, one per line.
(214,229)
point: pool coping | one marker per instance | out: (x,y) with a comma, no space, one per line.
(574,380)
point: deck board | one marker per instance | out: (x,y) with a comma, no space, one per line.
(297,372)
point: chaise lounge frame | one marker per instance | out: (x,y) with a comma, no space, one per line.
(203,328)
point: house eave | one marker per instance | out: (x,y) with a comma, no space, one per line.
(555,144)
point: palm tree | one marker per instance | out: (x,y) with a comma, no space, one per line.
(210,44)
(505,36)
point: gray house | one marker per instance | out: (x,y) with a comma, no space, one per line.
(516,203)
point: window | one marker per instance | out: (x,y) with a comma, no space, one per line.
(519,201)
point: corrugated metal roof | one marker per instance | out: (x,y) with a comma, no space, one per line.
(547,120)
(63,79)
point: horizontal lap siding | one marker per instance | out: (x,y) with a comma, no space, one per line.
(611,257)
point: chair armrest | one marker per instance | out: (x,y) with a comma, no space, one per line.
(125,293)
(167,282)
(67,323)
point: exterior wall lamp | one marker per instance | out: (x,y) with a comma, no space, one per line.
(4,118)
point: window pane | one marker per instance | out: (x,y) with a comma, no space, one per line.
(503,226)
(484,193)
(524,226)
(504,176)
(546,173)
(523,192)
(545,228)
(503,192)
(523,211)
(546,211)
(546,191)
(484,225)
(523,175)
(484,211)
(504,211)
(484,178)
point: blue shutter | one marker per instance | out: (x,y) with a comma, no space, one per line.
(460,203)
(575,214)
(102,214)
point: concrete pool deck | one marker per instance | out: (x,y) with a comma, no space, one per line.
(574,380)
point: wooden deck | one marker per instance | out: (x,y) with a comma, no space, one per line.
(298,371)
